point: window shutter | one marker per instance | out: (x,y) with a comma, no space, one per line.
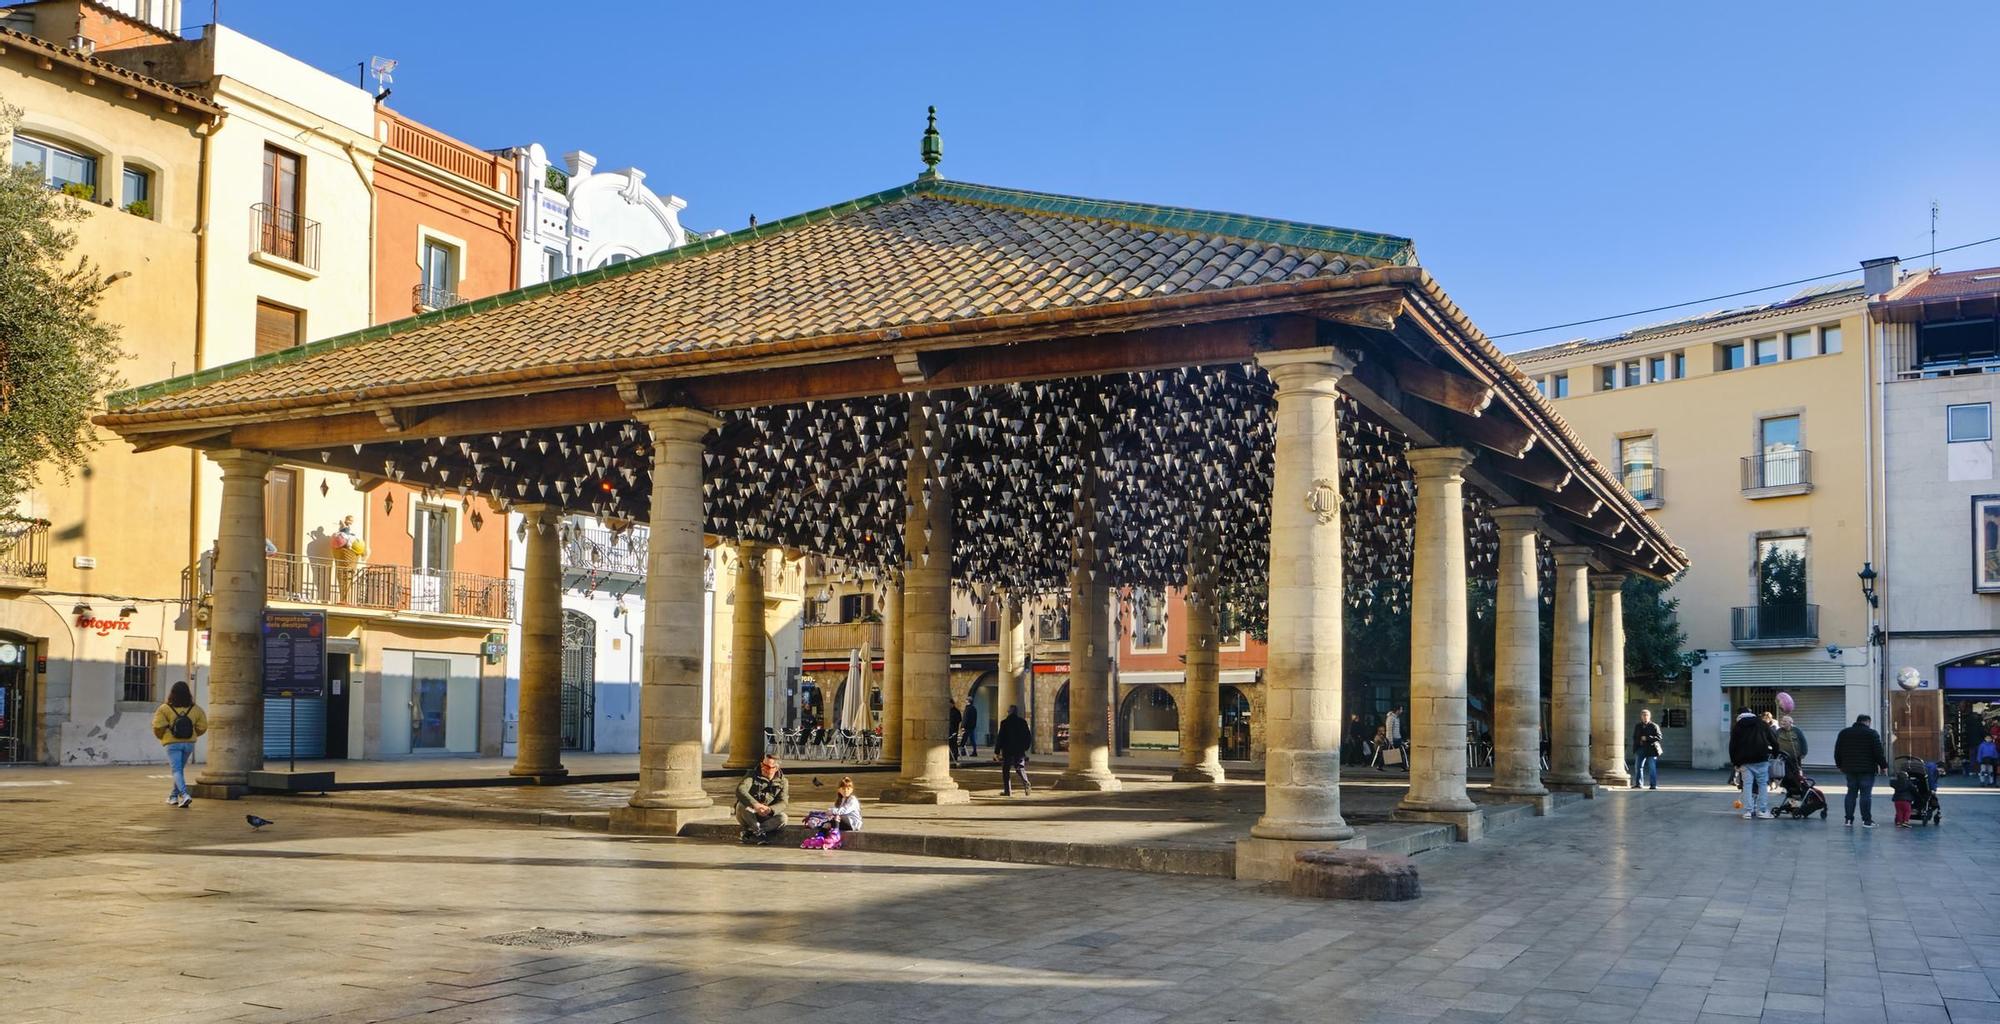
(277,328)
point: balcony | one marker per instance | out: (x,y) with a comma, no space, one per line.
(24,553)
(1777,473)
(334,583)
(284,235)
(445,153)
(424,298)
(834,639)
(594,558)
(1774,625)
(1647,486)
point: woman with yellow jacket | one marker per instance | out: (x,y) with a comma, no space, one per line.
(177,724)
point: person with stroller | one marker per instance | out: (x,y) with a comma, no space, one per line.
(1857,752)
(760,801)
(1012,743)
(1752,745)
(1792,744)
(1988,757)
(1646,750)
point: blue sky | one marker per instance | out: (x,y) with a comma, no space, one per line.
(1552,161)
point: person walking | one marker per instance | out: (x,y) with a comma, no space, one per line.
(177,724)
(1646,750)
(952,732)
(1857,752)
(1012,743)
(1394,723)
(971,720)
(1351,742)
(760,801)
(1752,744)
(1988,757)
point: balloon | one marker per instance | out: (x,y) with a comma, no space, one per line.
(1785,702)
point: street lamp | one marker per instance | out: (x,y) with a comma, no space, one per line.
(1867,576)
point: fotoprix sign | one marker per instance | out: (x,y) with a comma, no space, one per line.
(103,627)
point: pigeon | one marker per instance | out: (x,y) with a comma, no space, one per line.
(816,783)
(256,822)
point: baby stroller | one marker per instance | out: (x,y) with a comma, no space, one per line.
(1803,797)
(1922,776)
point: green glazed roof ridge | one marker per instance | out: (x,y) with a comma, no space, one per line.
(694,247)
(1374,245)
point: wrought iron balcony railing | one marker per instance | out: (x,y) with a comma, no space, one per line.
(285,234)
(24,552)
(334,582)
(1775,625)
(1787,468)
(595,552)
(425,297)
(1648,486)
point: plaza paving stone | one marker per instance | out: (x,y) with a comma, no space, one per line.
(1654,906)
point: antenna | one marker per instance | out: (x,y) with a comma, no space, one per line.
(1934,216)
(382,68)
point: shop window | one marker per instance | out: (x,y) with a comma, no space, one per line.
(138,676)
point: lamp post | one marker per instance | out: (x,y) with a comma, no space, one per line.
(1878,642)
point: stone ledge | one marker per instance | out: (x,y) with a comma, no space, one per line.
(913,795)
(1271,860)
(1587,790)
(1468,825)
(1354,875)
(1214,862)
(1088,782)
(218,791)
(662,821)
(1542,804)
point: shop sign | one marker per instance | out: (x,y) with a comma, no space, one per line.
(103,627)
(294,654)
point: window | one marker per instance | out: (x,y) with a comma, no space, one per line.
(1607,378)
(1052,625)
(278,327)
(1799,345)
(138,676)
(1829,340)
(1542,385)
(1632,375)
(1729,357)
(1960,341)
(1765,351)
(1656,369)
(1149,620)
(136,192)
(1968,422)
(281,510)
(1561,383)
(439,287)
(280,225)
(552,264)
(856,607)
(1680,365)
(63,169)
(432,549)
(1636,469)
(1781,587)
(1778,448)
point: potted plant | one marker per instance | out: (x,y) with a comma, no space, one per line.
(79,190)
(140,208)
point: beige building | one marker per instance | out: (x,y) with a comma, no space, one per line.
(1746,432)
(91,629)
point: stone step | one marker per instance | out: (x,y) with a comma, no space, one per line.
(1409,837)
(1213,862)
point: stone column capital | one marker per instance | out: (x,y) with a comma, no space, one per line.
(1438,463)
(677,423)
(1307,369)
(1516,518)
(1571,556)
(1611,581)
(238,462)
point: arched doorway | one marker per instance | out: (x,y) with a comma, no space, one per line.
(17,704)
(579,680)
(985,695)
(1149,720)
(1060,717)
(1235,725)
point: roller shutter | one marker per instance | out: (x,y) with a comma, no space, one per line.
(278,724)
(1820,713)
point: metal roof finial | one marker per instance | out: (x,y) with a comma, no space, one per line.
(933,150)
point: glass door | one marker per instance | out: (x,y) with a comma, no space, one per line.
(432,678)
(1778,442)
(16,744)
(431,559)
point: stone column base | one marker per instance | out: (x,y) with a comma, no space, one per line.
(218,790)
(1095,782)
(1198,773)
(1270,860)
(1470,825)
(1544,802)
(660,821)
(1614,777)
(1587,787)
(556,771)
(902,793)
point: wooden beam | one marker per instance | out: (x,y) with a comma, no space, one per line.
(155,442)
(1538,468)
(1459,393)
(1509,437)
(480,416)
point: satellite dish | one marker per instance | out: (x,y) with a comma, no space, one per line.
(1908,679)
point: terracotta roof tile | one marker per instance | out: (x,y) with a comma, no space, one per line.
(929,253)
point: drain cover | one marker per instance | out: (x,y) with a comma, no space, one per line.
(546,938)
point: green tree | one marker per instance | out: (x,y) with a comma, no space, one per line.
(1655,663)
(56,357)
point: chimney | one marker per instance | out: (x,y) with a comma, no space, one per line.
(1879,275)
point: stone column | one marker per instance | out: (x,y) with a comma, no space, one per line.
(236,631)
(1607,680)
(1302,678)
(927,548)
(1201,703)
(1089,665)
(1517,662)
(892,670)
(669,794)
(538,733)
(746,662)
(1569,707)
(1438,626)
(1013,650)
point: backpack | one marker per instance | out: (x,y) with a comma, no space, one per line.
(182,727)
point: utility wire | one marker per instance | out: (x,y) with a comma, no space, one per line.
(1713,298)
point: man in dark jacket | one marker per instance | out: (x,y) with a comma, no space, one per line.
(1646,751)
(1857,752)
(952,732)
(760,801)
(971,720)
(1752,744)
(1012,743)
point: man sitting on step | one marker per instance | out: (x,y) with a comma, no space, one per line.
(760,801)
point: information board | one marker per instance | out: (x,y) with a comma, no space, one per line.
(294,654)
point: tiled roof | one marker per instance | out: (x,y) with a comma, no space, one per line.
(86,62)
(1835,291)
(1958,284)
(932,253)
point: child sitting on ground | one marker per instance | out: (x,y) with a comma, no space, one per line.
(843,816)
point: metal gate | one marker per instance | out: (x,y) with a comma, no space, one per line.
(579,680)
